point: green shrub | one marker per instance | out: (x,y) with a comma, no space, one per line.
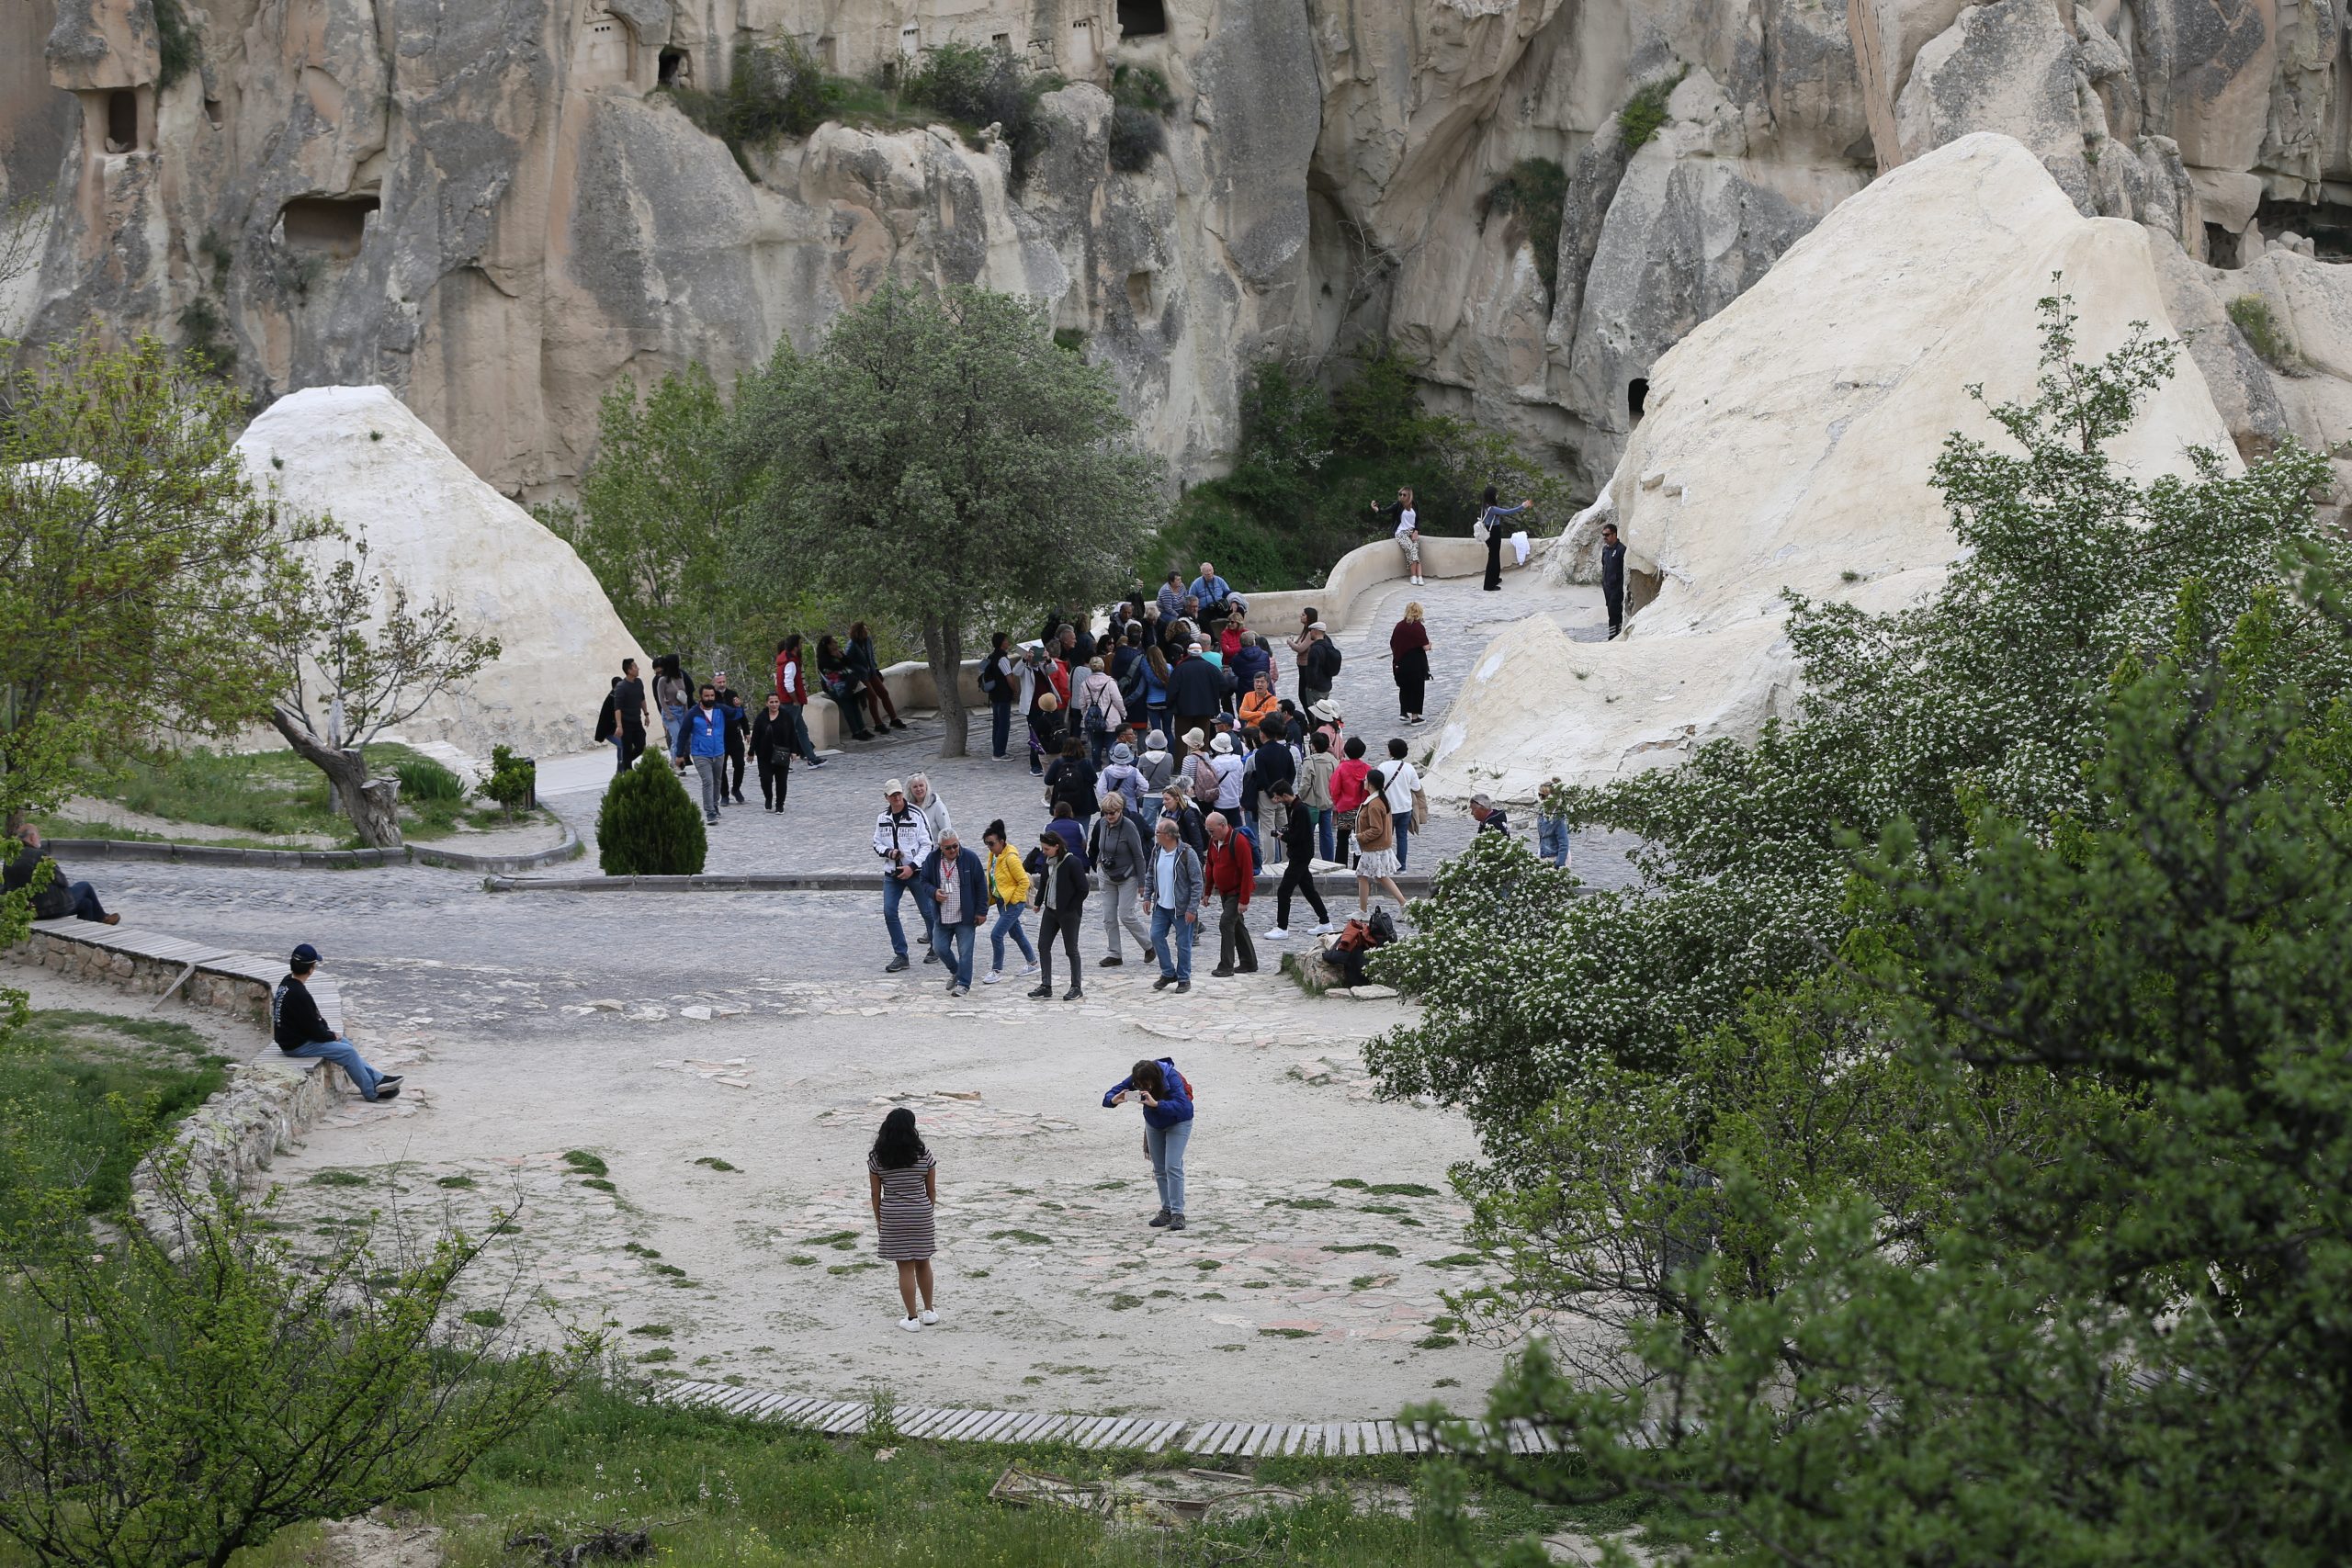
(178,48)
(1644,115)
(205,340)
(1136,137)
(423,779)
(1536,192)
(976,87)
(514,781)
(647,825)
(774,90)
(1141,87)
(2250,314)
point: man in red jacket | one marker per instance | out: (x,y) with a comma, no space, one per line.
(1228,873)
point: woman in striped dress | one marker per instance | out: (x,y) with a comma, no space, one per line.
(905,1182)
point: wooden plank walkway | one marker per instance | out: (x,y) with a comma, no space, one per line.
(1236,1439)
(193,955)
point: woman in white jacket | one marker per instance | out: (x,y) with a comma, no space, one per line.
(1099,709)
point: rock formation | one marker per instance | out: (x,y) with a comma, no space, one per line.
(441,534)
(1787,444)
(497,208)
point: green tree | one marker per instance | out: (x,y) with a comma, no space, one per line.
(938,462)
(144,579)
(171,1405)
(2123,1345)
(658,503)
(357,658)
(647,825)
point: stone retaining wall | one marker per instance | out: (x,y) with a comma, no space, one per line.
(236,993)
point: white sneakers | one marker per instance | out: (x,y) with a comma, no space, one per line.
(930,1314)
(1276,933)
(991,978)
(909,1324)
(912,1324)
(1032,969)
(1325,928)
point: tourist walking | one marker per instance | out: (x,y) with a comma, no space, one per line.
(902,1178)
(739,727)
(956,885)
(1061,897)
(703,735)
(1376,845)
(1315,791)
(1490,817)
(926,799)
(1612,576)
(1551,822)
(1408,661)
(1490,529)
(58,897)
(1124,778)
(1101,709)
(792,685)
(1319,667)
(1195,690)
(1228,874)
(901,840)
(1405,806)
(1009,886)
(628,710)
(771,753)
(1298,870)
(1173,896)
(1350,781)
(1115,845)
(1273,773)
(300,1030)
(672,696)
(1000,683)
(1072,778)
(1407,521)
(608,724)
(1157,765)
(1225,764)
(865,665)
(1167,1102)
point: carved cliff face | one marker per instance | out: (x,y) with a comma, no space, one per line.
(492,206)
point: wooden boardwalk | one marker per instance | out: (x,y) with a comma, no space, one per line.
(155,947)
(1236,1440)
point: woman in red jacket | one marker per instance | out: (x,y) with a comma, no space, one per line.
(1408,661)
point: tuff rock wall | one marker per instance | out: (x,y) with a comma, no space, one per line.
(491,207)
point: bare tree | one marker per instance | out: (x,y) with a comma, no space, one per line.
(353,671)
(22,232)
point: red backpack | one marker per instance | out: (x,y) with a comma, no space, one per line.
(1170,1064)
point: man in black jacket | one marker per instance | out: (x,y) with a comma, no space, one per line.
(1195,689)
(1612,576)
(1060,892)
(739,722)
(58,897)
(300,1030)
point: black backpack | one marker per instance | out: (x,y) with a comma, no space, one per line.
(1328,662)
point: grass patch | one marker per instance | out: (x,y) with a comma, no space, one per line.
(1207,1265)
(1645,113)
(273,794)
(652,1330)
(2251,314)
(852,1267)
(1457,1260)
(843,1239)
(712,1162)
(1032,1237)
(800,1259)
(1402,1190)
(1377,1248)
(640,1249)
(1352,1184)
(1301,1202)
(1435,1342)
(84,1095)
(485,1318)
(337,1178)
(1534,196)
(455,1181)
(1126,1303)
(585,1163)
(1286,1332)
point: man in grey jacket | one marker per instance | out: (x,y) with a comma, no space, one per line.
(1172,891)
(1115,845)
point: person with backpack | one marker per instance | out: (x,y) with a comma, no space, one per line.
(1060,894)
(1000,684)
(1009,887)
(901,840)
(1489,531)
(1122,777)
(1167,1101)
(1115,847)
(1376,843)
(1319,667)
(1157,765)
(902,1178)
(1404,792)
(1315,791)
(1101,709)
(1072,777)
(1228,873)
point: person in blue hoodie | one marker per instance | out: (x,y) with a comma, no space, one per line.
(1167,1128)
(703,735)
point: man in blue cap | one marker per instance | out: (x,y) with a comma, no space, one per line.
(300,1030)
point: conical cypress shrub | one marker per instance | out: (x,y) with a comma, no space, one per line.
(647,825)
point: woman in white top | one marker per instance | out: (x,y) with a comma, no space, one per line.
(1402,784)
(1228,767)
(1409,530)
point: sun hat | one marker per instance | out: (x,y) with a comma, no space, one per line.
(1327,711)
(1194,739)
(1223,744)
(1154,741)
(1318,626)
(893,787)
(1122,753)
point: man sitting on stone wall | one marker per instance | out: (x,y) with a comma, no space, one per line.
(300,1030)
(57,897)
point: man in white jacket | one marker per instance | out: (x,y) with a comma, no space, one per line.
(901,840)
(1403,782)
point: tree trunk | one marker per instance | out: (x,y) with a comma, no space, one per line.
(943,644)
(373,805)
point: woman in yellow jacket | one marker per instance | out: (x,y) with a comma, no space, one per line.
(1009,886)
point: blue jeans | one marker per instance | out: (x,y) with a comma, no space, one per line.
(1327,837)
(952,940)
(894,889)
(1000,725)
(85,902)
(344,1055)
(1009,920)
(1404,822)
(1552,840)
(1169,926)
(1166,1146)
(800,741)
(673,721)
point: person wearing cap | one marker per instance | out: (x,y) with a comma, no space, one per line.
(1060,895)
(1195,690)
(1228,873)
(1490,817)
(300,1030)
(901,840)
(1225,758)
(956,884)
(1318,666)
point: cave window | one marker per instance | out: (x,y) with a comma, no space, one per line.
(122,121)
(1637,394)
(212,112)
(1000,42)
(676,70)
(2220,246)
(327,225)
(1142,19)
(1081,45)
(2326,224)
(910,42)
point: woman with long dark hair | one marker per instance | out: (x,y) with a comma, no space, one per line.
(1167,1128)
(1490,523)
(867,668)
(904,1178)
(843,685)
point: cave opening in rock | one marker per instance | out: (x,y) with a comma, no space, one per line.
(2326,224)
(2222,247)
(1637,395)
(1142,19)
(676,70)
(327,225)
(122,121)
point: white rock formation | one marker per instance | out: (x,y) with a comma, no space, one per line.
(439,531)
(1788,444)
